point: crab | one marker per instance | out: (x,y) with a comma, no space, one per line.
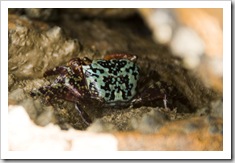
(113,81)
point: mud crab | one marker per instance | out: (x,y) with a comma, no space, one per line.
(113,81)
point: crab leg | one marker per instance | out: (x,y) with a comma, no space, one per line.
(83,114)
(149,97)
(151,92)
(60,70)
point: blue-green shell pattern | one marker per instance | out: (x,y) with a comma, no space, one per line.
(112,80)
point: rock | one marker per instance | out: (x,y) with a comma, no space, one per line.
(100,12)
(42,13)
(195,134)
(198,43)
(217,108)
(32,52)
(151,122)
(100,126)
(188,45)
(24,135)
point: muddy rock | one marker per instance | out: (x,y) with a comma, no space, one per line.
(151,122)
(30,137)
(191,40)
(100,126)
(32,51)
(100,12)
(42,13)
(197,133)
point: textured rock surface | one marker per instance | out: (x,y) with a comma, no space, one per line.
(36,45)
(195,35)
(200,133)
(30,137)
